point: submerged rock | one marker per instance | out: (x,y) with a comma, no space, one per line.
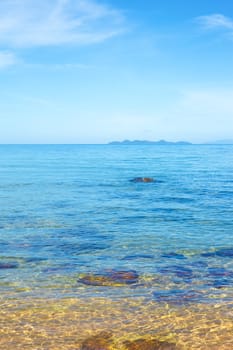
(143,179)
(149,344)
(225,252)
(8,265)
(138,256)
(223,283)
(178,270)
(174,255)
(219,272)
(222,252)
(110,278)
(176,296)
(101,341)
(219,277)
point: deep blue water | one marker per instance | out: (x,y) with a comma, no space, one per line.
(71,210)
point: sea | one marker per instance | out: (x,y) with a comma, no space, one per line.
(86,252)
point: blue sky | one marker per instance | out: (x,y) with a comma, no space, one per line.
(93,71)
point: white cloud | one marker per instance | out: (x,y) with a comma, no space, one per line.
(216,21)
(7,59)
(27,23)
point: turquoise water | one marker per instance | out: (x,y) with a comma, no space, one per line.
(71,210)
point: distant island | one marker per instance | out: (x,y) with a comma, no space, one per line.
(145,142)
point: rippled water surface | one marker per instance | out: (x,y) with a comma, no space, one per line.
(70,216)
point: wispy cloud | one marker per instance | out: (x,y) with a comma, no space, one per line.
(212,102)
(203,114)
(57,66)
(216,21)
(7,59)
(28,23)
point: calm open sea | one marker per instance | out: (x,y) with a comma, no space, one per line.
(71,217)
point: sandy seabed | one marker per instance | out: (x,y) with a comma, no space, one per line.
(66,323)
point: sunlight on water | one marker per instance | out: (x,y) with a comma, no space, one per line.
(66,323)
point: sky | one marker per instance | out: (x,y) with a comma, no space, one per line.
(94,71)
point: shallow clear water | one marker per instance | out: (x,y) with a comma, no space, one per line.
(71,210)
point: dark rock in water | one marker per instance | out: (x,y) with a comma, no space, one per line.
(222,283)
(101,341)
(219,277)
(34,260)
(219,272)
(94,280)
(8,265)
(199,264)
(110,278)
(104,341)
(184,272)
(149,344)
(208,254)
(223,253)
(138,256)
(89,247)
(173,255)
(143,179)
(179,271)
